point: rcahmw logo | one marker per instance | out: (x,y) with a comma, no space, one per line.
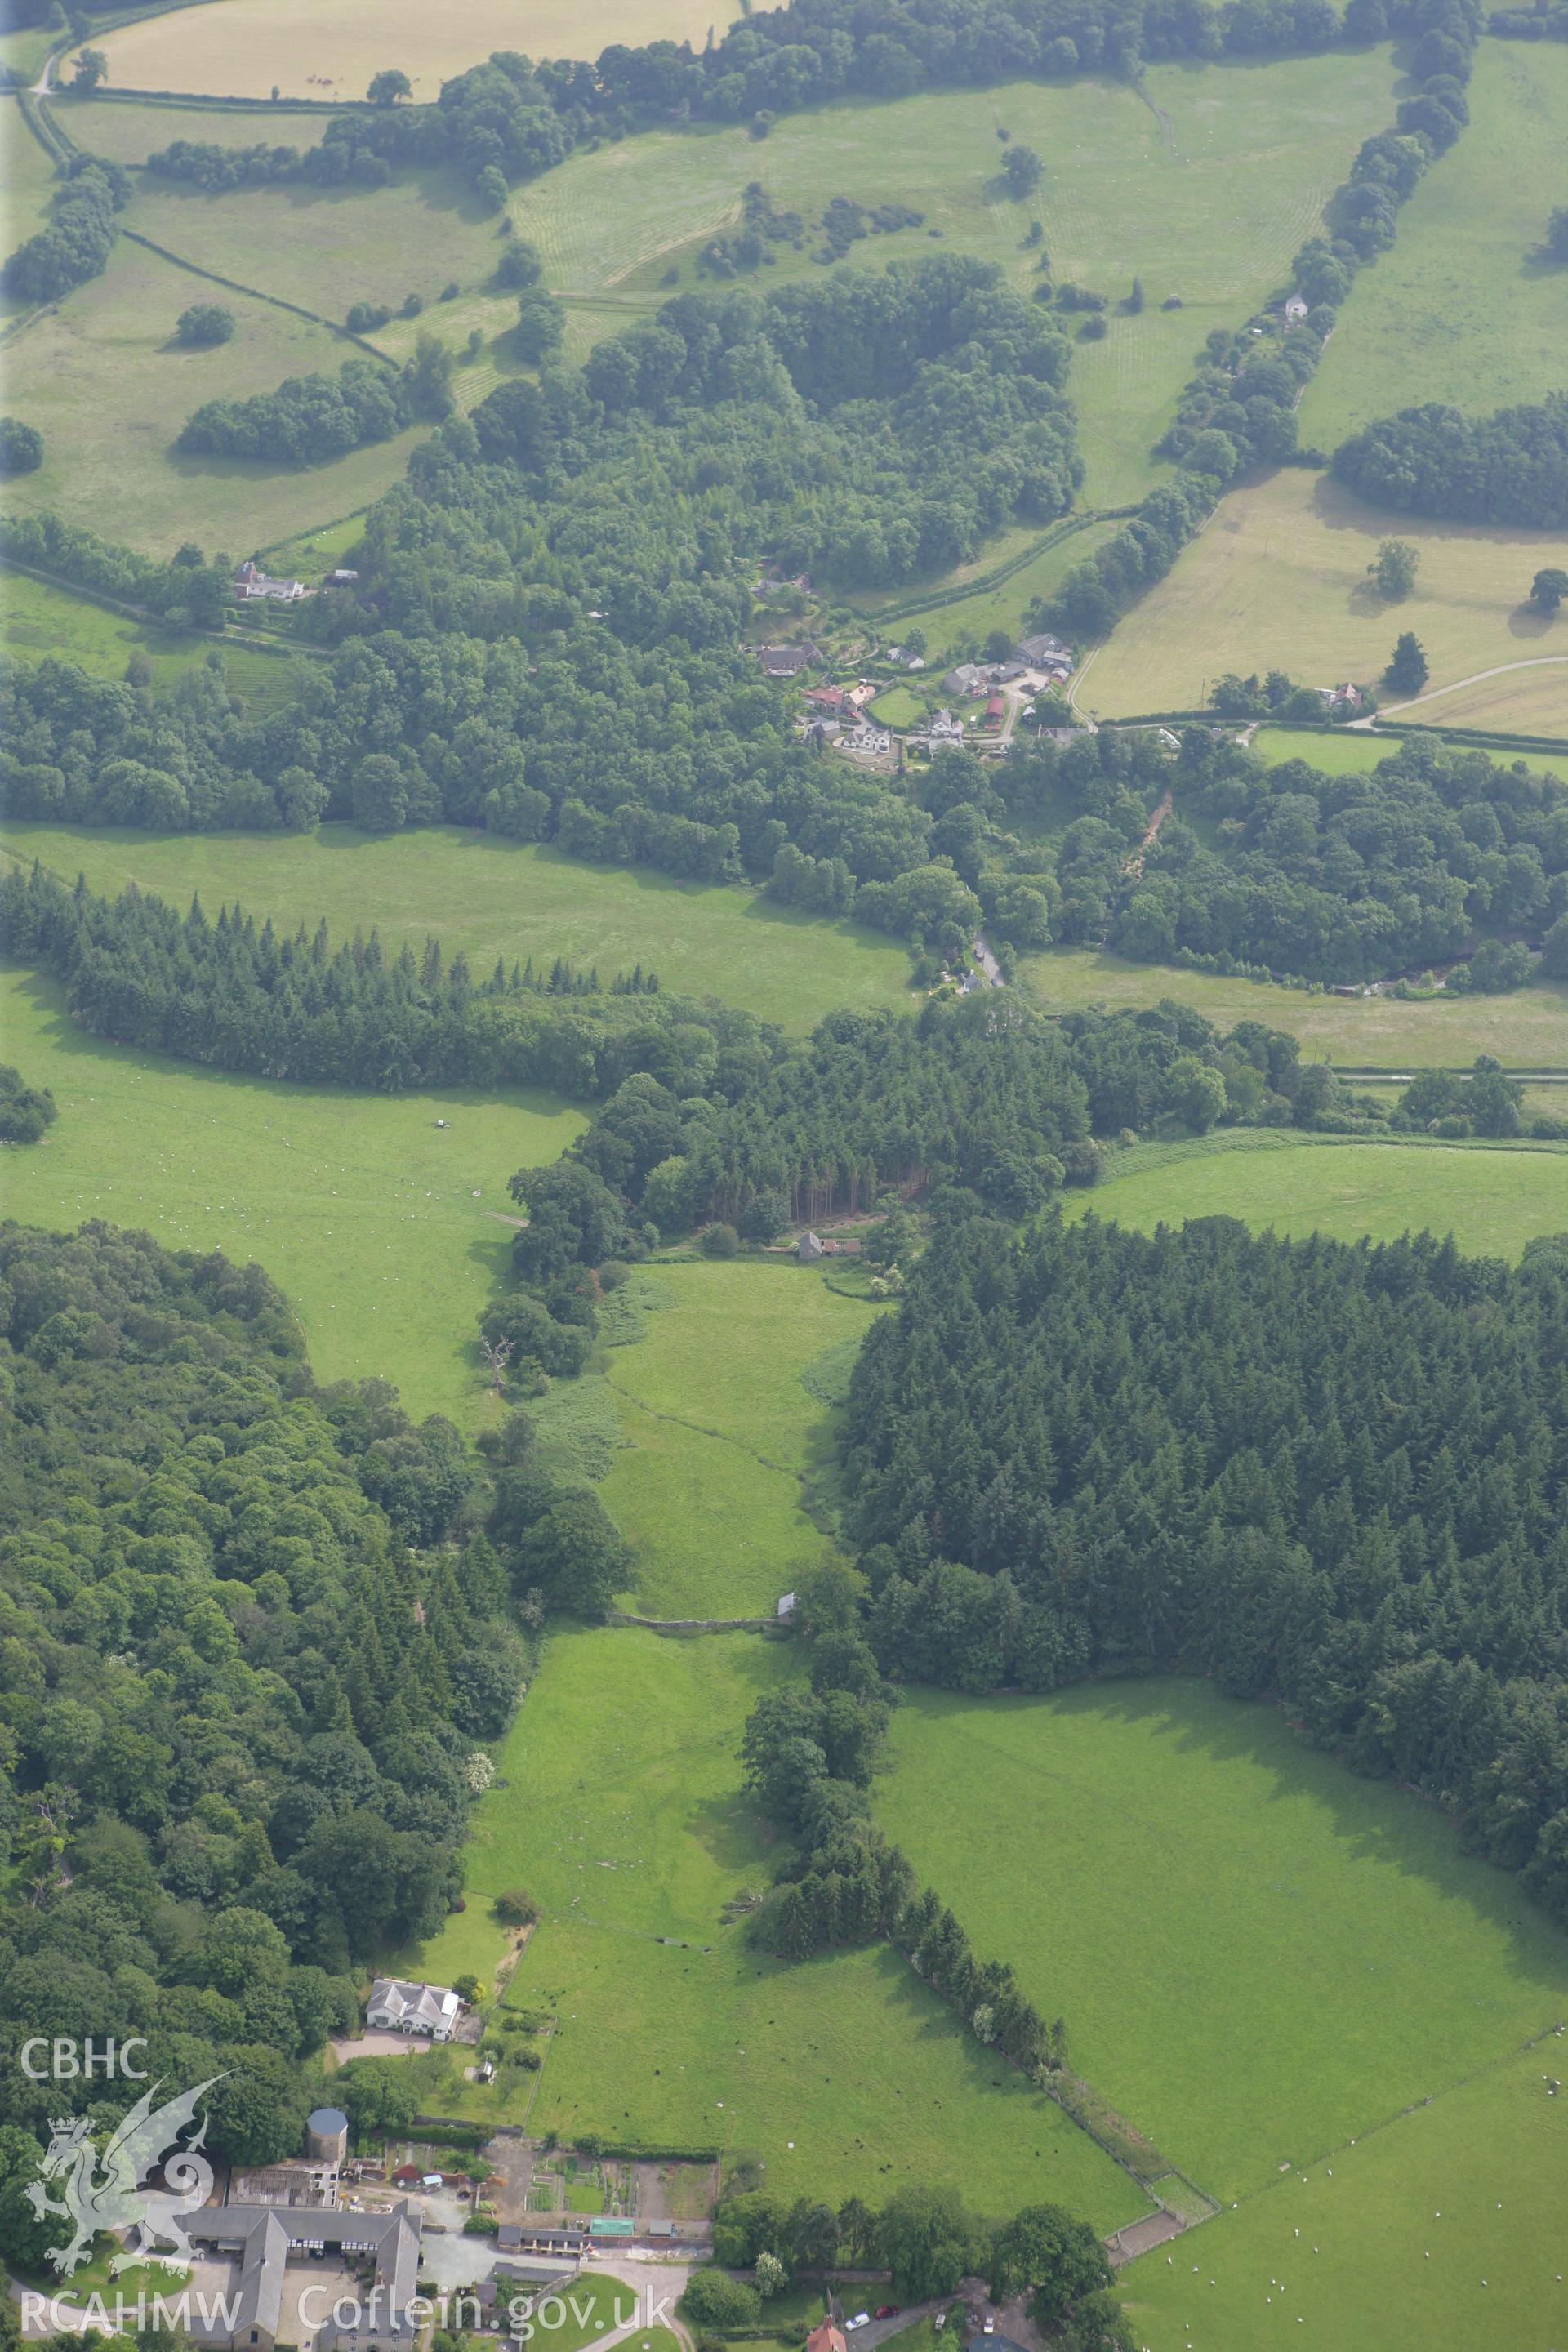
(112,2192)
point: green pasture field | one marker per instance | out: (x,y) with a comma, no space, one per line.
(24,52)
(1340,754)
(1526,1029)
(1258,1955)
(493,897)
(1466,308)
(128,133)
(1440,2235)
(240,49)
(326,248)
(723,1431)
(27,179)
(968,614)
(1202,185)
(203,1160)
(1276,579)
(101,378)
(40,621)
(1346,752)
(618,1805)
(1492,1201)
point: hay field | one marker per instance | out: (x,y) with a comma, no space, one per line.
(1532,700)
(1278,580)
(1441,2233)
(494,898)
(1527,1029)
(377,1225)
(1204,191)
(1258,1954)
(1463,308)
(622,1813)
(1492,1201)
(100,377)
(241,49)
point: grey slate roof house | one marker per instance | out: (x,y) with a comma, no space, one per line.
(265,2241)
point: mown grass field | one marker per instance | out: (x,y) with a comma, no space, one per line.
(1492,1201)
(41,621)
(376,1225)
(623,1814)
(1404,2249)
(101,378)
(1527,1029)
(1465,308)
(1204,191)
(722,1429)
(493,897)
(1258,1956)
(1278,581)
(1528,701)
(240,49)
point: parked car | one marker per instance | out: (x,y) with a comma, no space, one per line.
(990,2328)
(887,2310)
(861,2319)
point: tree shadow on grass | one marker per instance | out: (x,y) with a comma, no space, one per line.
(1528,621)
(1376,1817)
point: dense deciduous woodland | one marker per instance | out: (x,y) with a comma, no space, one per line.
(247,1646)
(1509,467)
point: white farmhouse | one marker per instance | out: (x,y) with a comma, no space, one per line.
(399,2008)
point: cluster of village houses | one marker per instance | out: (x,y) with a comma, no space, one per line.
(840,714)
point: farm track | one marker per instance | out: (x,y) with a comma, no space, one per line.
(1454,685)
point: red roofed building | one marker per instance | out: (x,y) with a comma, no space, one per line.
(825,2338)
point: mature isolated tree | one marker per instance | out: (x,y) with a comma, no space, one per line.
(388,86)
(204,324)
(1557,234)
(1408,672)
(21,447)
(1022,171)
(539,325)
(520,266)
(1394,568)
(90,69)
(1550,585)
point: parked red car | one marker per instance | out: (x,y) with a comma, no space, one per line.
(887,2310)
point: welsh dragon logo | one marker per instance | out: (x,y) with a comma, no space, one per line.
(110,2192)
